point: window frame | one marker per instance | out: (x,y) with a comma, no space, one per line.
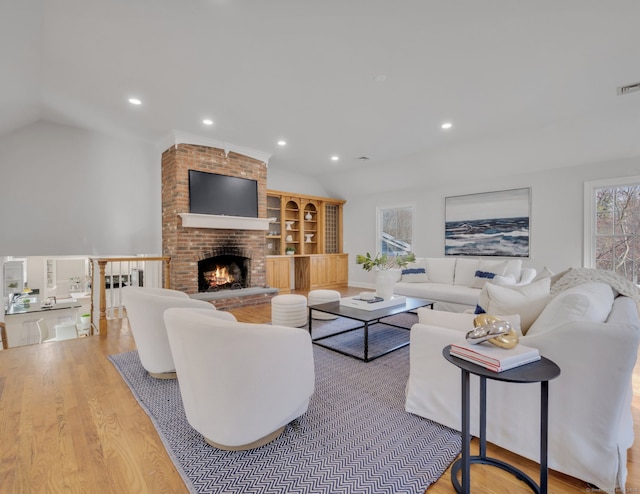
(590,187)
(380,209)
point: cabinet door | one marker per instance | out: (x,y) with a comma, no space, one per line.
(13,277)
(332,228)
(338,270)
(319,271)
(279,273)
(342,269)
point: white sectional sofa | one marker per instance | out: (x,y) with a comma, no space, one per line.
(452,282)
(591,332)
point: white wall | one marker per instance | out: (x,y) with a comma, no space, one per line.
(556,216)
(67,191)
(286,181)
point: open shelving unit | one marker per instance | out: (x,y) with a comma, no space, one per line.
(312,227)
(274,235)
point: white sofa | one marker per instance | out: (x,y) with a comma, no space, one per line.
(452,282)
(592,337)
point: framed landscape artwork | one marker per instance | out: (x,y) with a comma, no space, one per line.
(488,224)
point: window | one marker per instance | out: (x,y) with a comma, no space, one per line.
(613,227)
(395,230)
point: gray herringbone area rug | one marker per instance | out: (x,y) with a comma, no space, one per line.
(355,437)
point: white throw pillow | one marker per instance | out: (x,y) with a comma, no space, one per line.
(487,270)
(528,301)
(514,267)
(545,273)
(415,272)
(585,302)
(458,320)
(465,271)
(506,280)
(440,270)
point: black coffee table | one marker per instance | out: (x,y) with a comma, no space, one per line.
(367,317)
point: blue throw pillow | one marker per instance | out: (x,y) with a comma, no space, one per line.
(486,271)
(479,310)
(415,272)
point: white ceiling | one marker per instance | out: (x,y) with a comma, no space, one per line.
(305,71)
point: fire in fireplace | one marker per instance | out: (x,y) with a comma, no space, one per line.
(223,272)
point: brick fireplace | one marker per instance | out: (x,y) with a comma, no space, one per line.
(189,246)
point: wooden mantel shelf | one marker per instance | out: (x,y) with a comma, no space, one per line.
(193,220)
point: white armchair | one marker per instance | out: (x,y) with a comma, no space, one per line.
(241,384)
(145,308)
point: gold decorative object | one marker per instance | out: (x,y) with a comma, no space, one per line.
(494,330)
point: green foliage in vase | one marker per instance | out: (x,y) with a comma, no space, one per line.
(384,261)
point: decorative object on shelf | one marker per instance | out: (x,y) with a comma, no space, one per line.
(385,279)
(308,216)
(290,251)
(289,224)
(308,237)
(289,238)
(494,330)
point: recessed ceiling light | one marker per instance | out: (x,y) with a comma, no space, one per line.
(207,121)
(335,158)
(446,125)
(135,101)
(282,143)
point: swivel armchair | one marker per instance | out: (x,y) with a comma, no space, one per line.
(241,384)
(145,307)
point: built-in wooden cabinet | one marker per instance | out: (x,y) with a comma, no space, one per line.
(279,272)
(321,270)
(310,227)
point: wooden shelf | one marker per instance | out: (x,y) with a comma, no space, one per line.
(319,262)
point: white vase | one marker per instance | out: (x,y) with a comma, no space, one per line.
(384,284)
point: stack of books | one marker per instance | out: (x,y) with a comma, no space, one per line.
(495,358)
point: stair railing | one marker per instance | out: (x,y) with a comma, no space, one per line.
(110,274)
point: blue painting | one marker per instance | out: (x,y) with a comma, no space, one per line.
(488,224)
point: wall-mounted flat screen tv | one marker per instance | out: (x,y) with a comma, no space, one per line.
(211,193)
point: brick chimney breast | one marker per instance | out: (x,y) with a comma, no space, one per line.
(186,246)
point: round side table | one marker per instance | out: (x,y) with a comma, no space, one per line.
(541,371)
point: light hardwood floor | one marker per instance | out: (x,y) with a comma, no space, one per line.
(68,423)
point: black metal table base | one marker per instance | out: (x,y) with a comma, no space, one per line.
(366,357)
(520,475)
(541,372)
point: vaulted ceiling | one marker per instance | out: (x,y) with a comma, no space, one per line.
(350,78)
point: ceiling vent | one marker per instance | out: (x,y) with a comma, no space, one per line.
(363,158)
(630,88)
